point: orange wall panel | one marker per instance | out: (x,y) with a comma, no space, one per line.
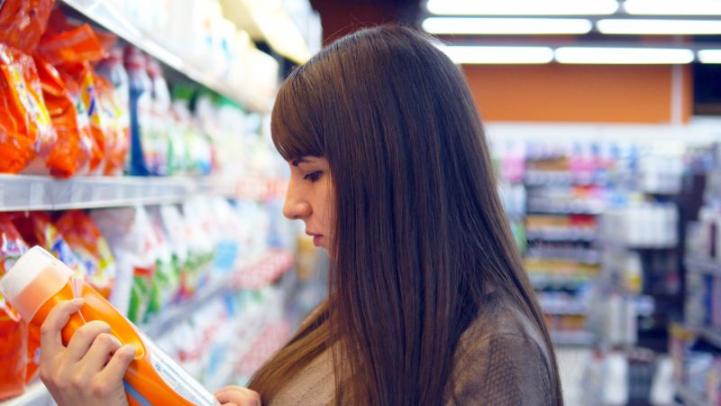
(577,93)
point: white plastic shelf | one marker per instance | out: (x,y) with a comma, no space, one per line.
(20,192)
(106,14)
(28,193)
(35,395)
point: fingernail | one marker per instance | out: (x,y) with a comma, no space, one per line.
(128,349)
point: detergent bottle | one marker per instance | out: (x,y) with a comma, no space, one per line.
(38,282)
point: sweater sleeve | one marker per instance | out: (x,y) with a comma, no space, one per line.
(500,370)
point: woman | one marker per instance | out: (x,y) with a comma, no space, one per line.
(428,301)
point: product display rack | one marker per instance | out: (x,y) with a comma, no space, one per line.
(265,270)
(41,193)
(25,193)
(20,192)
(105,14)
(583,241)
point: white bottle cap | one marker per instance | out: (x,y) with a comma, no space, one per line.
(35,278)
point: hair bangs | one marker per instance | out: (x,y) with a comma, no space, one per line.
(292,129)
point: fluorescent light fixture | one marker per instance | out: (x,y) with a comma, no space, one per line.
(500,55)
(673,7)
(506,26)
(709,56)
(621,56)
(635,26)
(522,7)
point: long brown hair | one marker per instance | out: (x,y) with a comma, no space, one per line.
(420,233)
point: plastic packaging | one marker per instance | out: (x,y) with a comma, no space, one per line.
(166,279)
(37,228)
(38,282)
(118,101)
(156,140)
(71,152)
(88,243)
(25,127)
(73,50)
(13,336)
(130,236)
(141,155)
(22,22)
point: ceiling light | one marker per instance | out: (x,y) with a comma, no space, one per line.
(709,56)
(673,7)
(630,56)
(659,27)
(522,7)
(506,26)
(464,54)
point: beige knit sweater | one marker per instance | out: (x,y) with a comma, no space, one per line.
(500,360)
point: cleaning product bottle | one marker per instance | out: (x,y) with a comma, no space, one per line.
(38,282)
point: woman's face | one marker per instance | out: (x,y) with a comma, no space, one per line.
(309,198)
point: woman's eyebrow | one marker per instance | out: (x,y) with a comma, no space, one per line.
(298,161)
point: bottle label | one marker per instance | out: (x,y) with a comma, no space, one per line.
(176,377)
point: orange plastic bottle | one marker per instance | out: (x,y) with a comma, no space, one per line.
(38,282)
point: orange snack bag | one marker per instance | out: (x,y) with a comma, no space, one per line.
(90,246)
(113,112)
(72,50)
(26,131)
(64,44)
(71,152)
(13,332)
(22,22)
(96,155)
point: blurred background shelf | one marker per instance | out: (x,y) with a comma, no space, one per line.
(703,265)
(690,397)
(572,338)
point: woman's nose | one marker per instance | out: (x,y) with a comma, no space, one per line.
(295,207)
(297,210)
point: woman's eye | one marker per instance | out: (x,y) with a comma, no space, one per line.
(313,176)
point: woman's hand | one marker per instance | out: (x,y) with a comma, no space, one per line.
(90,370)
(237,396)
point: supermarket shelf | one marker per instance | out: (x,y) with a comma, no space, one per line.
(572,338)
(690,397)
(702,265)
(253,275)
(35,395)
(559,282)
(20,192)
(564,309)
(587,211)
(559,178)
(107,15)
(26,193)
(530,256)
(560,236)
